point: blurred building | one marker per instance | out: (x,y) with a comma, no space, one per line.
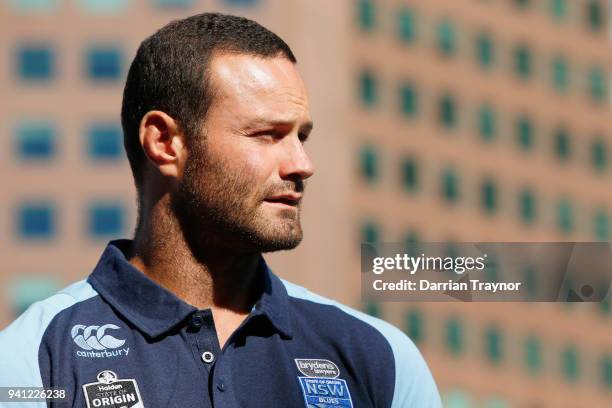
(465,120)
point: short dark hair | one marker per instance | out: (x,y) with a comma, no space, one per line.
(169,73)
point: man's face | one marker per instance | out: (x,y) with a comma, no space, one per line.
(244,176)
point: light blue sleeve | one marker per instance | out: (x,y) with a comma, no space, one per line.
(20,341)
(414,384)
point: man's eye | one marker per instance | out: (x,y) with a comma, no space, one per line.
(303,137)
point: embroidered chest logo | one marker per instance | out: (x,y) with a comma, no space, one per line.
(321,386)
(97,341)
(110,391)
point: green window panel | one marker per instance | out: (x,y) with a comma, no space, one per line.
(446,38)
(454,336)
(522,3)
(409,100)
(595,15)
(523,62)
(533,354)
(366,14)
(370,233)
(368,163)
(487,126)
(606,371)
(372,308)
(450,186)
(410,174)
(525,132)
(562,144)
(485,50)
(411,242)
(488,196)
(565,216)
(598,90)
(407,25)
(599,154)
(368,91)
(26,291)
(457,399)
(571,363)
(601,226)
(447,112)
(414,325)
(527,206)
(494,345)
(560,73)
(558,9)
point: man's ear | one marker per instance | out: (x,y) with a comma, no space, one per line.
(163,143)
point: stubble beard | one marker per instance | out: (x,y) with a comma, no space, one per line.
(219,208)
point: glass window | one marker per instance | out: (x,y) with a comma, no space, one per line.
(366,14)
(35,140)
(407,28)
(494,344)
(187,3)
(486,122)
(599,154)
(570,363)
(457,399)
(601,226)
(525,132)
(104,63)
(522,62)
(34,6)
(597,85)
(411,242)
(563,148)
(595,15)
(445,34)
(533,354)
(558,9)
(103,6)
(527,206)
(367,89)
(35,62)
(496,402)
(606,371)
(36,220)
(485,51)
(454,336)
(372,308)
(522,3)
(408,100)
(410,174)
(26,291)
(368,163)
(369,233)
(488,196)
(450,185)
(104,141)
(560,73)
(414,325)
(106,219)
(565,216)
(447,112)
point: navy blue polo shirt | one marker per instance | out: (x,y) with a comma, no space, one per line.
(118,339)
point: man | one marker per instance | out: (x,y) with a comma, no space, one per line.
(215,116)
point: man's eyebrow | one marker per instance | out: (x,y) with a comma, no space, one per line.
(258,123)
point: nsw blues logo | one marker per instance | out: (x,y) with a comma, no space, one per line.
(321,387)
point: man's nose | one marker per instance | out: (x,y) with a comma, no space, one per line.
(296,161)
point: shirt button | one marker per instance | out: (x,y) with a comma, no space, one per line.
(208,357)
(197,320)
(221,386)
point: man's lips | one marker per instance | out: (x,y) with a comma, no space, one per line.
(287,199)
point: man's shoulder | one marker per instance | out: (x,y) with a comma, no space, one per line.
(414,384)
(21,340)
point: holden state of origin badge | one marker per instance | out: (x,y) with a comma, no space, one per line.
(111,392)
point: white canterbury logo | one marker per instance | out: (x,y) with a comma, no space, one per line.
(94,337)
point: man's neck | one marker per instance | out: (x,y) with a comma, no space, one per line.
(215,280)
